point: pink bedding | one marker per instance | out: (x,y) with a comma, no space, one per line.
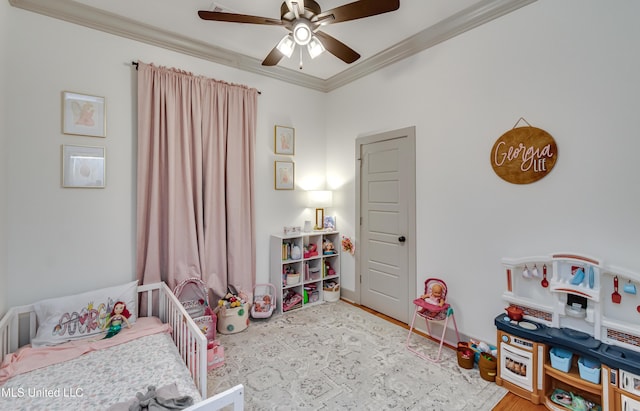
(28,358)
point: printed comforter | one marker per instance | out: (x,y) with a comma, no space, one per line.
(98,378)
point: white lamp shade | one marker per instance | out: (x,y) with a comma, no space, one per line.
(286,45)
(315,47)
(319,198)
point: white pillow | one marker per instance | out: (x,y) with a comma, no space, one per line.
(77,316)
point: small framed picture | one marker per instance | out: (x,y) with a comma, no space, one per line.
(329,223)
(284,140)
(83,115)
(284,175)
(83,166)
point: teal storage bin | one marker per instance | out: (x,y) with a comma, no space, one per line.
(561,359)
(589,370)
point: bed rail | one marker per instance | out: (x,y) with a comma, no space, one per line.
(190,341)
(19,325)
(233,396)
(12,325)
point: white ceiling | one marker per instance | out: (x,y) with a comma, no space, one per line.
(380,40)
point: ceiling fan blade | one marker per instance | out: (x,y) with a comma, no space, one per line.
(237,18)
(358,10)
(273,57)
(337,48)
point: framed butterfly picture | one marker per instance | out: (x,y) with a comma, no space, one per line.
(83,115)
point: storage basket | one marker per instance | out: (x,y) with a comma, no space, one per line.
(465,357)
(233,320)
(589,370)
(293,279)
(332,294)
(561,359)
(488,364)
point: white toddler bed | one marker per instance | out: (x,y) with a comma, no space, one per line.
(121,370)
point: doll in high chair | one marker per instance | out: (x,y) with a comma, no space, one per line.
(434,296)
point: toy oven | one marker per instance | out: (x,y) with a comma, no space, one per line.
(521,365)
(516,366)
(630,383)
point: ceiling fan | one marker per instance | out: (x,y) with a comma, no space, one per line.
(303,19)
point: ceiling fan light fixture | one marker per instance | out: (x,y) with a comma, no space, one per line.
(302,33)
(286,45)
(315,47)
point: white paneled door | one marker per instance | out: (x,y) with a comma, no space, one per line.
(387,223)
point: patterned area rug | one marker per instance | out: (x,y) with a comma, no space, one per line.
(335,356)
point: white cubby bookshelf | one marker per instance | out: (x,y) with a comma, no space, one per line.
(314,272)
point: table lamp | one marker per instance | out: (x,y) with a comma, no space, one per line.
(319,199)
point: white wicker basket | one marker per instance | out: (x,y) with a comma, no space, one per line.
(332,294)
(293,279)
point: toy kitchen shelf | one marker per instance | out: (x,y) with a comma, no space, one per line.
(576,303)
(301,269)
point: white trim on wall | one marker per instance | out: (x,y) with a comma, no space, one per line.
(78,13)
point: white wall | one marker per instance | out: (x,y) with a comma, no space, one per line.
(68,240)
(4,36)
(570,68)
(571,73)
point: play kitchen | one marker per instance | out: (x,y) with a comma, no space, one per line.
(570,335)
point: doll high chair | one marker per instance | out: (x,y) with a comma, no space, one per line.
(433,306)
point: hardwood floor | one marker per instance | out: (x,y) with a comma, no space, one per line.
(512,402)
(509,403)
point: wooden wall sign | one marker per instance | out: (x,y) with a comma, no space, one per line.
(524,155)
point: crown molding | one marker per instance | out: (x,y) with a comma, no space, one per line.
(107,22)
(463,21)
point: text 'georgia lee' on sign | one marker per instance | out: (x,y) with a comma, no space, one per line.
(524,155)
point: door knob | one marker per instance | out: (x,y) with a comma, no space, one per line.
(402,239)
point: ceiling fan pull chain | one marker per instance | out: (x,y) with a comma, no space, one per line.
(300,48)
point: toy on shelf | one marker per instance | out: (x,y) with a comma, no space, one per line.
(291,300)
(310,250)
(328,271)
(327,247)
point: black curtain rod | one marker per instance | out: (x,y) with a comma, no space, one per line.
(135,63)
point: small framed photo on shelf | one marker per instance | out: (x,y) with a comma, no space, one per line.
(83,166)
(284,173)
(83,115)
(284,140)
(329,223)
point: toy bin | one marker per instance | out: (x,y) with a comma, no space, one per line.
(589,370)
(233,320)
(332,294)
(561,359)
